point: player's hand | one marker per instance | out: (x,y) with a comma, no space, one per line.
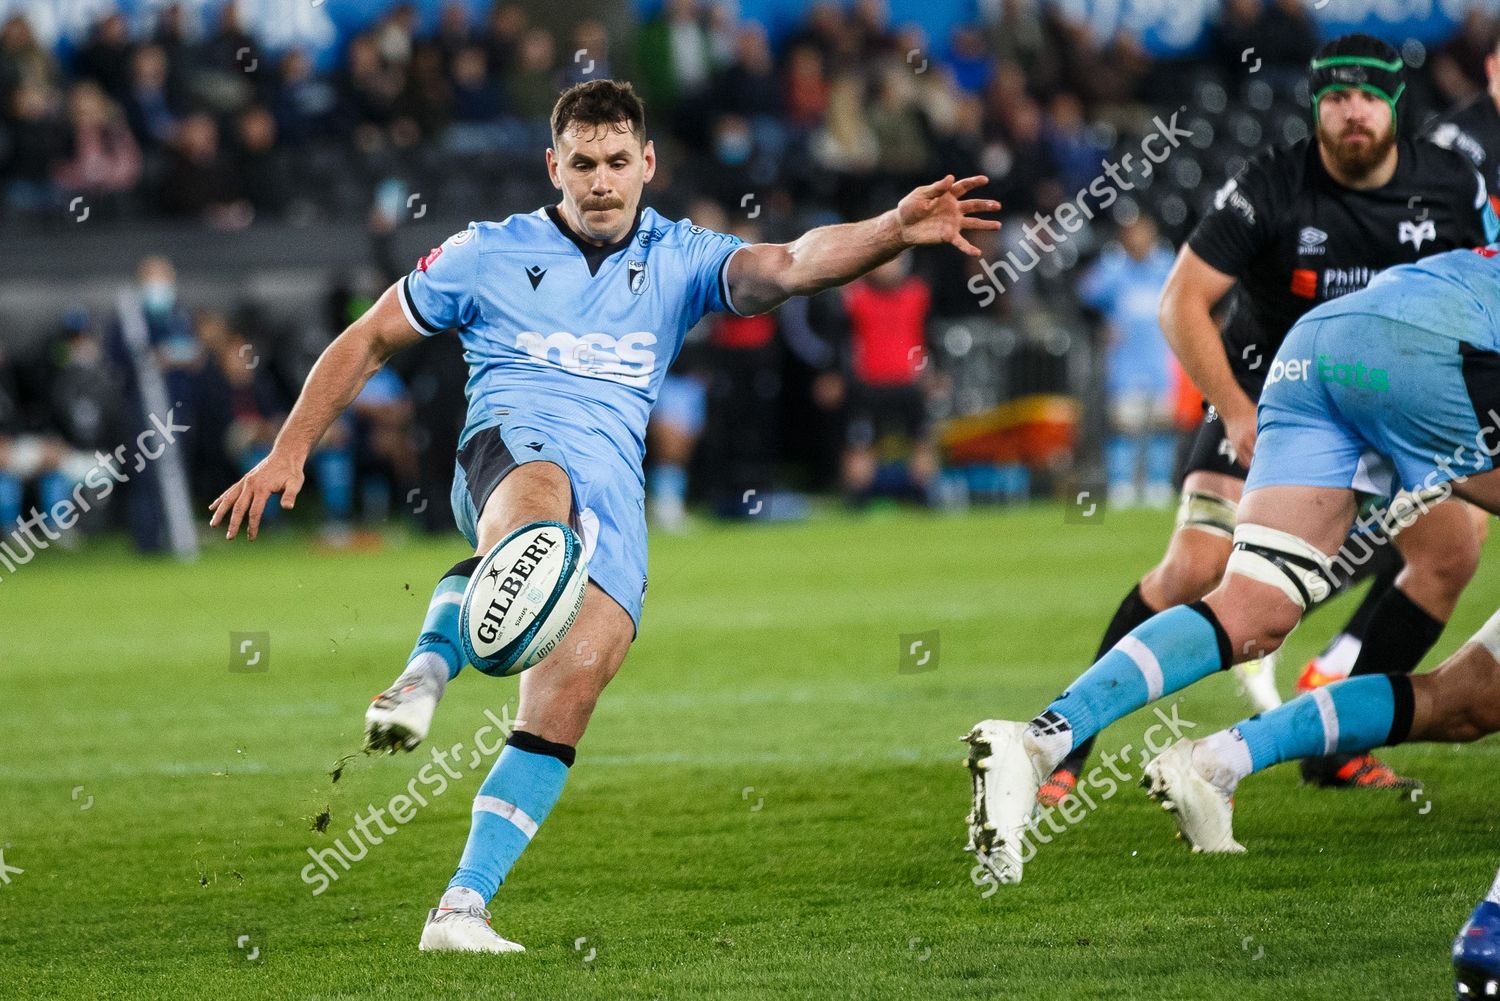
(939,213)
(1239,431)
(276,473)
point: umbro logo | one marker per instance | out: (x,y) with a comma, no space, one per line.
(1311,240)
(535,446)
(536,275)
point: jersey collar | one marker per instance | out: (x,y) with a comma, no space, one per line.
(594,255)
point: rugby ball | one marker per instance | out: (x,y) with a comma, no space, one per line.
(523,598)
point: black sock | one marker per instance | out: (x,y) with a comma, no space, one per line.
(1133,611)
(1398,637)
(1385,570)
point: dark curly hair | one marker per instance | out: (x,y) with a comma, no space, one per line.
(610,103)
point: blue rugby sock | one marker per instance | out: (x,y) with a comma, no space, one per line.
(521,790)
(1161,457)
(1167,652)
(11,493)
(669,482)
(440,628)
(1347,716)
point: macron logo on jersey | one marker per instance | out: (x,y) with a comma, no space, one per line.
(627,359)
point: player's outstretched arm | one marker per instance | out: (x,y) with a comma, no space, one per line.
(340,373)
(765,275)
(1192,291)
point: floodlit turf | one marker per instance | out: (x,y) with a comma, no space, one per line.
(766,806)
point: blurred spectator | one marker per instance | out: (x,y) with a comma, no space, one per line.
(31,459)
(200,181)
(300,102)
(869,24)
(476,105)
(748,86)
(454,33)
(267,178)
(241,408)
(106,57)
(971,63)
(23,60)
(153,345)
(82,387)
(675,59)
(149,106)
(888,369)
(845,148)
(806,89)
(824,32)
(386,460)
(1075,156)
(503,32)
(532,84)
(101,157)
(1458,66)
(744,362)
(371,92)
(38,139)
(1028,163)
(1278,33)
(588,54)
(428,101)
(899,130)
(393,36)
(671,438)
(1125,286)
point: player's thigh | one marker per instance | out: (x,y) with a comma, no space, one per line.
(1481,490)
(558,695)
(1440,547)
(1319,516)
(533,491)
(1200,542)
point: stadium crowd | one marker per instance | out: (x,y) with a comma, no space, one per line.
(837,120)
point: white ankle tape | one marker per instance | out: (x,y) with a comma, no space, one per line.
(1281,560)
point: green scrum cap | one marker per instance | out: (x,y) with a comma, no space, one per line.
(1361,61)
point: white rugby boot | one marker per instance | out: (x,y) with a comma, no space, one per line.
(1204,812)
(463,929)
(400,717)
(1007,769)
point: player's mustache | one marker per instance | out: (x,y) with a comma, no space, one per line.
(602,204)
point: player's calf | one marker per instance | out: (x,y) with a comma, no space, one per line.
(1460,701)
(399,718)
(1193,565)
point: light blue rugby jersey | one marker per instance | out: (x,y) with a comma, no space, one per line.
(1456,294)
(553,326)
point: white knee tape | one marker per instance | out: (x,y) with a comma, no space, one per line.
(1282,560)
(1207,512)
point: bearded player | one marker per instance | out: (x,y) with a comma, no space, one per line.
(1302,225)
(556,425)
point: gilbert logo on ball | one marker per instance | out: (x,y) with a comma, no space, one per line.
(523,598)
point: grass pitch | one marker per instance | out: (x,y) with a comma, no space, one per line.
(766,806)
